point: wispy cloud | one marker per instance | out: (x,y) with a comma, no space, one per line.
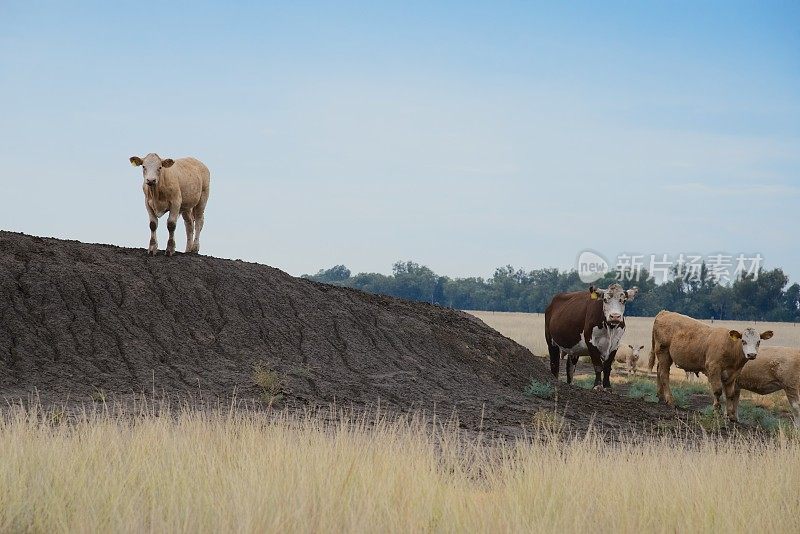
(697,188)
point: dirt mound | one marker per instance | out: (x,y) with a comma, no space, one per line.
(78,319)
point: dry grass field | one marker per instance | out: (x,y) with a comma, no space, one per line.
(249,472)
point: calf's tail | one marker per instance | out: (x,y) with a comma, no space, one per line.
(652,361)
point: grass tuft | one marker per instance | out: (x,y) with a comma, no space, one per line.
(270,382)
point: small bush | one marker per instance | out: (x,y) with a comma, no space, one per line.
(682,392)
(643,389)
(585,382)
(98,395)
(270,382)
(750,414)
(539,389)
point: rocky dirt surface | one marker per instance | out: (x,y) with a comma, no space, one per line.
(81,321)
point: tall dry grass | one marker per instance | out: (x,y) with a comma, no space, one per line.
(247,472)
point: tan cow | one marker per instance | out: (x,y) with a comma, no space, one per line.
(717,352)
(629,355)
(178,186)
(775,368)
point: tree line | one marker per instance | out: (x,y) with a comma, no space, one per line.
(762,296)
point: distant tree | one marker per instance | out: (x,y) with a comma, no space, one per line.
(334,275)
(760,296)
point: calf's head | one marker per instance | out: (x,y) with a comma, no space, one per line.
(614,299)
(151,166)
(635,352)
(750,340)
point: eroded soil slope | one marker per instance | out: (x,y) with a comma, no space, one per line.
(78,318)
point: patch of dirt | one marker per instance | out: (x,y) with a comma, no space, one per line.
(77,319)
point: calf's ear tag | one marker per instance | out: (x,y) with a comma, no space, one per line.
(594,296)
(133,164)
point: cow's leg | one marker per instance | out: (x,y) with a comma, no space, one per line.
(662,377)
(572,360)
(715,381)
(172,222)
(607,371)
(555,358)
(732,392)
(152,248)
(188,221)
(793,396)
(199,216)
(597,362)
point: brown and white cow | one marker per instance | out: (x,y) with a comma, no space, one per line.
(695,347)
(587,323)
(629,355)
(775,368)
(180,187)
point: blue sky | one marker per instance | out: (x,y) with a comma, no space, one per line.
(463,136)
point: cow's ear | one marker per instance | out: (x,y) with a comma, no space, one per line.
(632,292)
(640,348)
(167,162)
(136,161)
(735,334)
(630,346)
(766,335)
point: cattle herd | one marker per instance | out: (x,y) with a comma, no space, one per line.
(580,323)
(591,323)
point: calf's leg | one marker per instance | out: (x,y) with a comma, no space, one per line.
(171,224)
(152,248)
(188,221)
(199,216)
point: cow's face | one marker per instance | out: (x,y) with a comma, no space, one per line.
(614,299)
(151,166)
(750,340)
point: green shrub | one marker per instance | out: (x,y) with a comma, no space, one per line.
(642,389)
(750,414)
(585,382)
(682,392)
(539,389)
